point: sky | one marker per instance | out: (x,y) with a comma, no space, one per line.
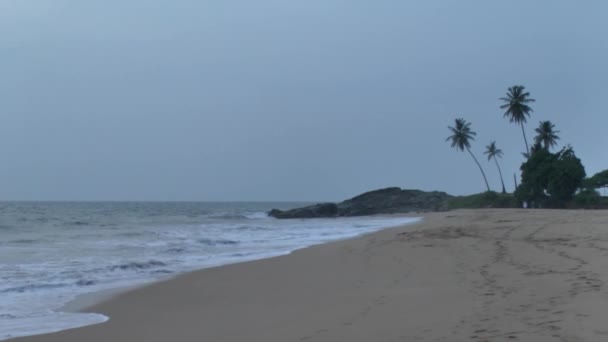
(286,100)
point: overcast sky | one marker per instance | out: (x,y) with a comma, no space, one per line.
(285,100)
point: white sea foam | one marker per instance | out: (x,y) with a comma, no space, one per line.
(257,215)
(42,267)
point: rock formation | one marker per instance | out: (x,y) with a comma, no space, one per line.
(383,201)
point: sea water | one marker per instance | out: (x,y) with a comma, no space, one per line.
(50,252)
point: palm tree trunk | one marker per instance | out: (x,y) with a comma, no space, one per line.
(525,139)
(500,173)
(480,169)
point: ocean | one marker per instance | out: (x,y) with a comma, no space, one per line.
(51,252)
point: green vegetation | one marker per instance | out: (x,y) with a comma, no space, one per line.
(461,138)
(488,199)
(599,180)
(517,108)
(548,180)
(589,199)
(546,135)
(492,151)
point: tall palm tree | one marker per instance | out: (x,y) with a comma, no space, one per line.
(461,140)
(546,134)
(492,152)
(517,108)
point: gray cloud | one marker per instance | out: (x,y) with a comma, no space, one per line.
(275,100)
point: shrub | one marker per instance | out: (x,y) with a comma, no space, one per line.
(588,198)
(488,199)
(550,179)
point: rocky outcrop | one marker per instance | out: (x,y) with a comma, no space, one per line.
(383,201)
(317,210)
(392,201)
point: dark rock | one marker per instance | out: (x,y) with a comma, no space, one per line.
(383,201)
(312,211)
(392,201)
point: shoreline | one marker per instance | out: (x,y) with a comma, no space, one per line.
(467,275)
(86,302)
(83,302)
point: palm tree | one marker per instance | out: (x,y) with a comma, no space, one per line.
(536,147)
(546,134)
(492,151)
(461,140)
(517,108)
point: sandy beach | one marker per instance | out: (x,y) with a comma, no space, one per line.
(471,275)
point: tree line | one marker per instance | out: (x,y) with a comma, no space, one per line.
(547,179)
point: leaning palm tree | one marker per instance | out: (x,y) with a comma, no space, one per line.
(517,108)
(461,140)
(492,152)
(546,135)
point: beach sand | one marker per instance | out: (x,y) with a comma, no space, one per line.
(475,275)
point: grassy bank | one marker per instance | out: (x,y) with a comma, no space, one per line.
(489,199)
(493,199)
